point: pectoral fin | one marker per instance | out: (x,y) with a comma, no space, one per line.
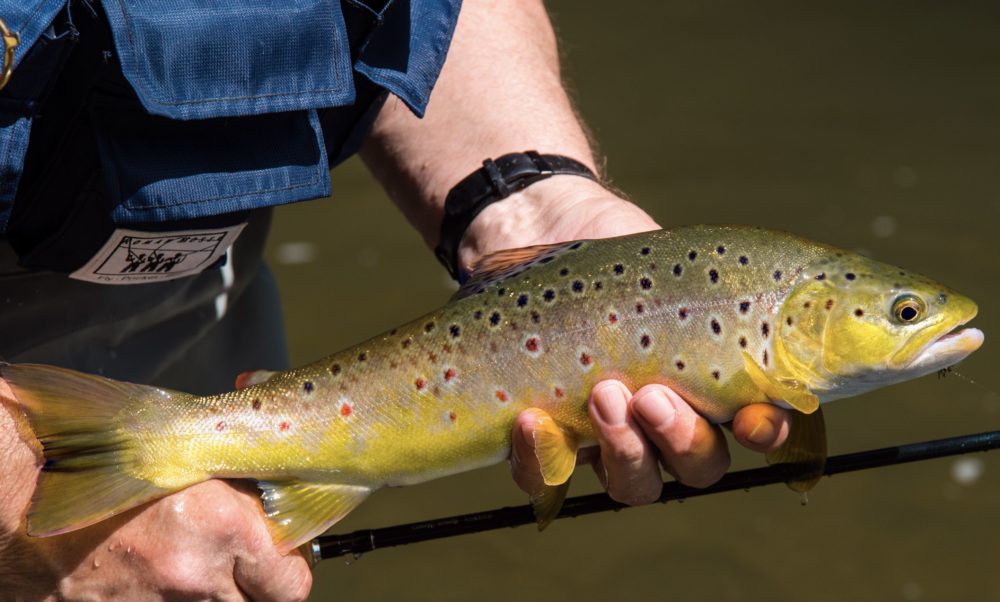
(805,447)
(791,391)
(300,511)
(548,503)
(555,450)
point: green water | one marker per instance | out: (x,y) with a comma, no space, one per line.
(866,125)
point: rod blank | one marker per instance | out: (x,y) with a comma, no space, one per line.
(367,540)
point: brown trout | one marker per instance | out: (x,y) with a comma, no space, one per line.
(727,316)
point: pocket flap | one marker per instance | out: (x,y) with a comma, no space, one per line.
(191,59)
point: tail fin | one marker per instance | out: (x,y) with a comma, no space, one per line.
(91,461)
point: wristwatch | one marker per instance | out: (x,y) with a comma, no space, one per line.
(494,181)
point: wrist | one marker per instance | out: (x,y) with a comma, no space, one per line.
(557,209)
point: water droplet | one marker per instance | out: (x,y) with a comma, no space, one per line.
(966,471)
(904,176)
(296,253)
(883,226)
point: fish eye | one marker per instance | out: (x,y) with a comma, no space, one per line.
(908,309)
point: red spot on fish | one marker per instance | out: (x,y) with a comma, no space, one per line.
(452,416)
(639,308)
(501,395)
(559,392)
(613,318)
(585,359)
(284,426)
(346,410)
(420,383)
(219,426)
(531,345)
(449,374)
(256,404)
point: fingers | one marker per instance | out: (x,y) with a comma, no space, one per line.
(630,464)
(761,427)
(692,449)
(270,576)
(523,463)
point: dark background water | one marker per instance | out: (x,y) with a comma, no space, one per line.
(871,126)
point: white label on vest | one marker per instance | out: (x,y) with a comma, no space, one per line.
(133,257)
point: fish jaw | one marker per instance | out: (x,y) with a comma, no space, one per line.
(946,351)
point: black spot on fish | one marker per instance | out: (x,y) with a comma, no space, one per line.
(645,341)
(682,313)
(619,269)
(788,320)
(679,364)
(598,285)
(362,356)
(549,295)
(495,318)
(716,327)
(721,250)
(645,251)
(692,255)
(850,276)
(713,275)
(335,369)
(405,343)
(859,312)
(428,326)
(564,272)
(821,276)
(454,330)
(308,386)
(535,317)
(829,304)
(522,300)
(639,308)
(677,269)
(477,315)
(765,357)
(743,342)
(744,307)
(777,275)
(501,292)
(577,286)
(646,284)
(765,329)
(716,375)
(744,260)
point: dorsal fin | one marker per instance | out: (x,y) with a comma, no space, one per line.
(506,263)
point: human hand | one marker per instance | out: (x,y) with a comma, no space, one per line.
(207,541)
(636,433)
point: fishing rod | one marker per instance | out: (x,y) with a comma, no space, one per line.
(367,540)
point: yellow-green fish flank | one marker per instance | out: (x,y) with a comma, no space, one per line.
(725,315)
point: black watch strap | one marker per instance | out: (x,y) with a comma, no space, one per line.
(496,180)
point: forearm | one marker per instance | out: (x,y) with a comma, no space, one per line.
(500,91)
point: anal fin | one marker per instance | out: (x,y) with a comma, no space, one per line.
(805,448)
(299,511)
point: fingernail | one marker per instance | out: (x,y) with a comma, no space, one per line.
(611,404)
(654,408)
(763,433)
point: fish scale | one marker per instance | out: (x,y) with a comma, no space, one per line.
(725,315)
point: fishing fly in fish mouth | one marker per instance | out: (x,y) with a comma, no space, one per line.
(725,315)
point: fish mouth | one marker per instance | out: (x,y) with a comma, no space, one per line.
(948,349)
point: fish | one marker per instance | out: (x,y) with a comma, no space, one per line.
(725,315)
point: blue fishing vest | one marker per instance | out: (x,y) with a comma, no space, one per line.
(158,115)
